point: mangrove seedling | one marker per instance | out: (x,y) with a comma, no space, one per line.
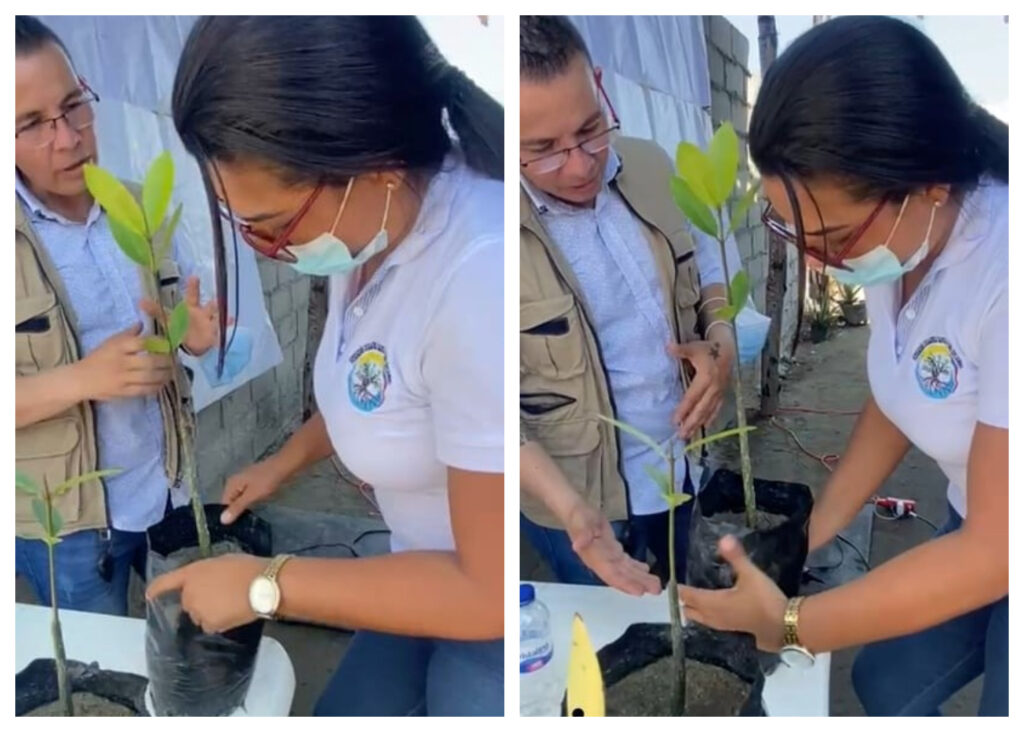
(703,186)
(52,523)
(144,235)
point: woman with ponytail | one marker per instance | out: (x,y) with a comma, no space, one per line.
(880,168)
(348,147)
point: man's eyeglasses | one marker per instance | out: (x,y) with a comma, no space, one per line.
(771,219)
(273,247)
(550,162)
(78,113)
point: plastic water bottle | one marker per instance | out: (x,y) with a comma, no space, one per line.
(540,693)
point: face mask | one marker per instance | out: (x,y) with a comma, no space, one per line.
(329,255)
(751,333)
(880,265)
(236,358)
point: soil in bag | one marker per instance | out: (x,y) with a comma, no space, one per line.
(638,675)
(95,692)
(192,673)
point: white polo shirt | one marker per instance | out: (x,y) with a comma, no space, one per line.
(940,365)
(409,374)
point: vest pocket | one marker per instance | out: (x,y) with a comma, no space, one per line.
(39,335)
(551,340)
(50,453)
(687,297)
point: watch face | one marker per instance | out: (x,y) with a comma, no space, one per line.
(796,657)
(263,596)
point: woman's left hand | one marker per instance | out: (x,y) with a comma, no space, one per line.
(753,605)
(214,592)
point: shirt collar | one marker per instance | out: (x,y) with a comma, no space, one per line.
(973,224)
(39,210)
(545,203)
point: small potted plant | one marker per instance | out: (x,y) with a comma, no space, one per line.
(190,672)
(57,686)
(851,305)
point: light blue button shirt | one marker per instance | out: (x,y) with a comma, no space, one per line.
(104,288)
(612,261)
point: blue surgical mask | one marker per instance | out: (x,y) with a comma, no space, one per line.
(328,255)
(236,359)
(880,265)
(751,333)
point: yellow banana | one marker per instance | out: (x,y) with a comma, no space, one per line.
(585,692)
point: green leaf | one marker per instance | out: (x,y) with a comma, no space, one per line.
(637,434)
(659,477)
(58,522)
(115,199)
(742,206)
(70,483)
(156,190)
(157,344)
(694,167)
(676,499)
(696,211)
(134,245)
(177,325)
(739,290)
(718,436)
(25,484)
(162,245)
(724,159)
(39,509)
(728,313)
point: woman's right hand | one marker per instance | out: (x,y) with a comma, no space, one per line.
(258,482)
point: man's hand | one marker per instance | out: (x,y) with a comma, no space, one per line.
(594,542)
(711,364)
(121,368)
(203,326)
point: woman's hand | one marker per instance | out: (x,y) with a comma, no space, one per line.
(258,482)
(214,592)
(594,542)
(703,398)
(753,605)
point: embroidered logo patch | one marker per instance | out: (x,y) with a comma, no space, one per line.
(937,368)
(368,377)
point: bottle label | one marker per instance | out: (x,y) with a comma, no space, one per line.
(536,659)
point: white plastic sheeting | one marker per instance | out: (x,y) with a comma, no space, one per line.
(130,62)
(655,70)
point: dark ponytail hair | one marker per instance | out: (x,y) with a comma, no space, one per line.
(323,99)
(872,102)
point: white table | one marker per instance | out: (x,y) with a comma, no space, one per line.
(607,613)
(119,644)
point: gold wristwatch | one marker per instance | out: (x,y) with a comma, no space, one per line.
(794,653)
(264,592)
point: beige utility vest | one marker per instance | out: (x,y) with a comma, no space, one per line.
(561,364)
(46,337)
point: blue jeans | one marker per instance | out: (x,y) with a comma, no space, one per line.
(914,674)
(638,536)
(383,675)
(77,559)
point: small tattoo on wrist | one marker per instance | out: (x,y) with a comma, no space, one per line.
(714,351)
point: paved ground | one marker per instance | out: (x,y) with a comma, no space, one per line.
(831,376)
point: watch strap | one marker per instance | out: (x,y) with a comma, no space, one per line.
(791,620)
(274,568)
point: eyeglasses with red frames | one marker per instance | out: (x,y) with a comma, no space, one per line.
(550,162)
(78,113)
(273,247)
(770,218)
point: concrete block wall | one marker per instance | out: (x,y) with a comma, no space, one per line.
(256,417)
(728,53)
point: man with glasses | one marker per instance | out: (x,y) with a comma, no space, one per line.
(88,395)
(616,319)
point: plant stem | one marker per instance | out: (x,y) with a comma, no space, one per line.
(186,428)
(678,701)
(59,658)
(749,499)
